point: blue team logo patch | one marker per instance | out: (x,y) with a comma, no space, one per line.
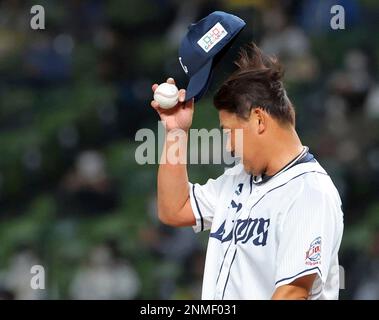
(313,255)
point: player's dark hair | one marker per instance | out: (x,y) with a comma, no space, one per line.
(255,84)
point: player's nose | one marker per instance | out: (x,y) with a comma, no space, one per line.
(229,146)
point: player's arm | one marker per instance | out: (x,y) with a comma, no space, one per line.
(296,290)
(174,206)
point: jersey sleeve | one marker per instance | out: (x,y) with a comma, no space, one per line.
(203,202)
(307,237)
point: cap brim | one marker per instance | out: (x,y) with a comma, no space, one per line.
(199,82)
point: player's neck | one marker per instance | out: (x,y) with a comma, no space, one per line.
(284,148)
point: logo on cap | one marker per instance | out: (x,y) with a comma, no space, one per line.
(212,37)
(183,66)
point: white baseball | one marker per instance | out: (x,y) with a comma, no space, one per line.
(166,95)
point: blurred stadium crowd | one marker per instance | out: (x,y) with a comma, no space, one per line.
(72,97)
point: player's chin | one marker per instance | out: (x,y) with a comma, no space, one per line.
(249,168)
(246,166)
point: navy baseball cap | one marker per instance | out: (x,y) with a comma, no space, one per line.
(202,46)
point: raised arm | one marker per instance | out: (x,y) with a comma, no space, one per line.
(174,206)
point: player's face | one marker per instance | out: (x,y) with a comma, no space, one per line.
(244,140)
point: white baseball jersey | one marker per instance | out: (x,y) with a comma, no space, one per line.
(265,233)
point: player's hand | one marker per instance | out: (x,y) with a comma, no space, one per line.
(178,117)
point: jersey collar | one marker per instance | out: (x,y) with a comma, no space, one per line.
(304,156)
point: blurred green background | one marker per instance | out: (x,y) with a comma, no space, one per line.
(72,97)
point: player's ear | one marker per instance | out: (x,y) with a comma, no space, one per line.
(259,118)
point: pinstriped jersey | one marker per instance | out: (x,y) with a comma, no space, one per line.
(265,233)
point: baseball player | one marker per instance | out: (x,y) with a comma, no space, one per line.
(275,220)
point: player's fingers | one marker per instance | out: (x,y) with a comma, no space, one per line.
(154,87)
(171,81)
(182,95)
(155,105)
